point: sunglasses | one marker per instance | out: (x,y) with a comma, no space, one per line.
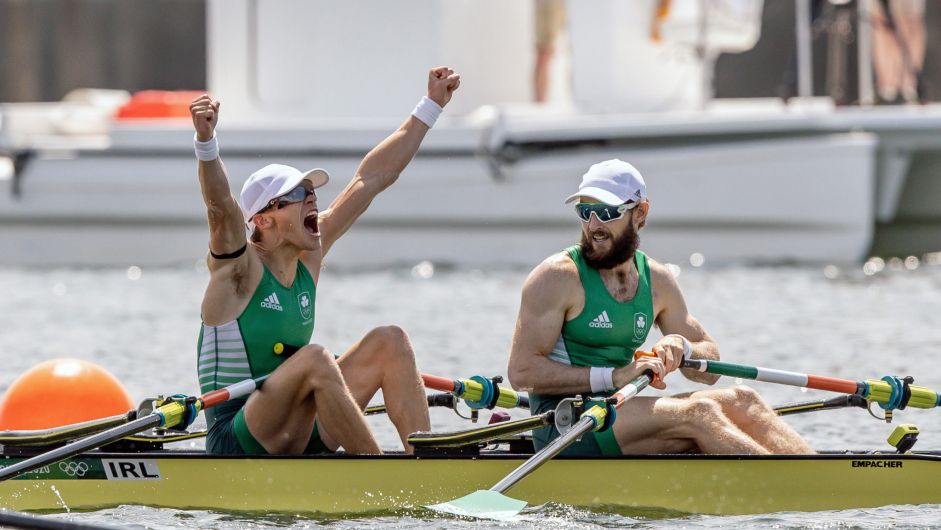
(604,212)
(298,194)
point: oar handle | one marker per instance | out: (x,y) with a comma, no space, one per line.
(441,383)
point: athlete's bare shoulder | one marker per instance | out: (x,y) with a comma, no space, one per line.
(554,281)
(231,286)
(660,275)
(664,287)
(558,267)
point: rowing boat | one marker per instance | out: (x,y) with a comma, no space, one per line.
(114,466)
(347,484)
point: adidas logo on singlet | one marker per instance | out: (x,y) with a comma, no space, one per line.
(272,302)
(601,321)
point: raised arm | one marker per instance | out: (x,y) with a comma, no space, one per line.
(383,164)
(546,300)
(226,224)
(675,322)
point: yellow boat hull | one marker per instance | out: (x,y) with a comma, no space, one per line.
(353,484)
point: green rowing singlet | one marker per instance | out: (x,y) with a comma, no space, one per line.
(244,348)
(606,333)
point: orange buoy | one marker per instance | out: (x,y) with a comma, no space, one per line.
(60,392)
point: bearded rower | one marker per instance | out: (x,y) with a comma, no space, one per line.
(586,310)
(262,293)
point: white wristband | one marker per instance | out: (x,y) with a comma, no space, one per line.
(687,345)
(207,151)
(601,379)
(427,111)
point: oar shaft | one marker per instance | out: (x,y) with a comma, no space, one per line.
(85,444)
(555,447)
(233,391)
(586,423)
(168,415)
(880,391)
(770,375)
(838,402)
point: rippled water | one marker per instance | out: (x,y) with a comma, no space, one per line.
(142,326)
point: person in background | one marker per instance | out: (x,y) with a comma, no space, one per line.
(549,18)
(898,49)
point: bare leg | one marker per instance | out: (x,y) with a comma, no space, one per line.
(912,31)
(541,74)
(745,408)
(280,415)
(673,425)
(886,57)
(384,359)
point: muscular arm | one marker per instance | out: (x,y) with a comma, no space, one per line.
(379,170)
(226,225)
(674,318)
(227,292)
(382,165)
(543,307)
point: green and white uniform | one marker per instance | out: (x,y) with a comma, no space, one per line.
(606,333)
(244,348)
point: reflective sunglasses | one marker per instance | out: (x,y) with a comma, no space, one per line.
(604,212)
(298,194)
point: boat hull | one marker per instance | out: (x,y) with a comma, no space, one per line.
(353,484)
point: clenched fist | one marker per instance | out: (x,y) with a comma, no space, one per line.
(442,82)
(205,112)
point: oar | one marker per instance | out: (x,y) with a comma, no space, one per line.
(478,392)
(889,392)
(11,519)
(168,415)
(64,433)
(838,402)
(434,400)
(492,504)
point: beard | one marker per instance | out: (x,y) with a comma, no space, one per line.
(622,250)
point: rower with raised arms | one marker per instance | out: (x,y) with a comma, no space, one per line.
(262,292)
(586,310)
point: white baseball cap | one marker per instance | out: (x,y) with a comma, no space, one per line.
(271,182)
(612,182)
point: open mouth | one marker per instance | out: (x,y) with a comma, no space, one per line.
(599,235)
(310,223)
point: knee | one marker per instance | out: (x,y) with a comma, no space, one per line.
(746,394)
(392,341)
(317,361)
(748,400)
(704,410)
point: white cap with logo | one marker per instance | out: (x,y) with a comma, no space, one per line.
(612,182)
(271,182)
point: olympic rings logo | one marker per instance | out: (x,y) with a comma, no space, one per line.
(74,469)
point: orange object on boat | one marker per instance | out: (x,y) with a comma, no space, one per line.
(158,104)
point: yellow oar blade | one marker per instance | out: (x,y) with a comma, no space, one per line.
(482,504)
